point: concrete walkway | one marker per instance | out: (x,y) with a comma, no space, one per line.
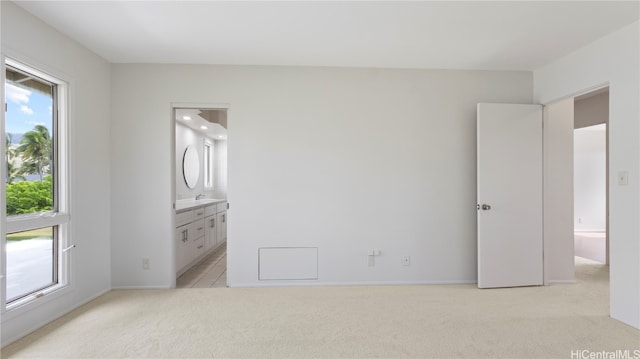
(29,265)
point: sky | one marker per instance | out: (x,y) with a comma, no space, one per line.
(26,109)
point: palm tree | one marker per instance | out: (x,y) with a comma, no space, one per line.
(35,148)
(13,171)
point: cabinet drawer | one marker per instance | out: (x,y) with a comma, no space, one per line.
(198,213)
(209,210)
(199,247)
(183,218)
(221,207)
(198,227)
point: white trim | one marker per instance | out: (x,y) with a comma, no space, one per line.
(562,281)
(19,223)
(172,130)
(60,217)
(304,283)
(578,93)
(196,105)
(573,95)
(134,287)
(21,306)
(3,197)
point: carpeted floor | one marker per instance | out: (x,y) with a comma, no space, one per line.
(437,321)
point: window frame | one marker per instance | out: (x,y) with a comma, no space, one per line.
(208,161)
(59,216)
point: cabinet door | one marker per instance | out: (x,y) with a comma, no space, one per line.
(209,232)
(183,246)
(222,227)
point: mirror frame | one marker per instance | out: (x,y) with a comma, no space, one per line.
(191,167)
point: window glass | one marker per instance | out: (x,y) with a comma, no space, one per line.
(29,125)
(31,261)
(32,180)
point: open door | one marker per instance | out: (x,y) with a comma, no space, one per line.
(509,170)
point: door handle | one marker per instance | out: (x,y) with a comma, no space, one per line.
(486,207)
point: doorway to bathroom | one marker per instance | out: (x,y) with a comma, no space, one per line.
(200,192)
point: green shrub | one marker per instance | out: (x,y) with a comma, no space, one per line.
(29,196)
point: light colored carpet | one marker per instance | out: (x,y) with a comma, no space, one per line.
(438,321)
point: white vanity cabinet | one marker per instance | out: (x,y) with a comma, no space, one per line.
(199,229)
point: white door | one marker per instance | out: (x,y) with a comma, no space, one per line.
(509,179)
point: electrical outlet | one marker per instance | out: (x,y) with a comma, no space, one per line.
(406,261)
(623,178)
(145,263)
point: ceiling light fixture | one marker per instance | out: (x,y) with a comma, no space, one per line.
(204,127)
(186,118)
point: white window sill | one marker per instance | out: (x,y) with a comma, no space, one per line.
(32,302)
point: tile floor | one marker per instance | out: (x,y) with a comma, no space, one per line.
(211,272)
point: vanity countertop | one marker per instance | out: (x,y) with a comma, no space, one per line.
(184,204)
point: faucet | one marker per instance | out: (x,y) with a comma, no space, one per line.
(199,196)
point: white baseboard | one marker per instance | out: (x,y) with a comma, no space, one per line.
(131,287)
(301,283)
(561,281)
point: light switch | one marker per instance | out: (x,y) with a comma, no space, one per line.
(623,178)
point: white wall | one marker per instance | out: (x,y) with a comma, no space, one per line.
(345,160)
(590,177)
(614,60)
(31,41)
(558,192)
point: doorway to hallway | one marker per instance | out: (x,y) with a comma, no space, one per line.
(590,142)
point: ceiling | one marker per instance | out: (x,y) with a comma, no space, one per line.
(503,35)
(200,120)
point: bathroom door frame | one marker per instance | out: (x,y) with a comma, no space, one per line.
(172,130)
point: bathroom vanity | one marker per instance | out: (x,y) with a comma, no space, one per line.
(201,226)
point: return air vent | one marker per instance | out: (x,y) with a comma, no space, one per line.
(288,263)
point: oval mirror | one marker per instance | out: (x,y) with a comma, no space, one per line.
(191,167)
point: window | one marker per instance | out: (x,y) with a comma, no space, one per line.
(36,239)
(208,165)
